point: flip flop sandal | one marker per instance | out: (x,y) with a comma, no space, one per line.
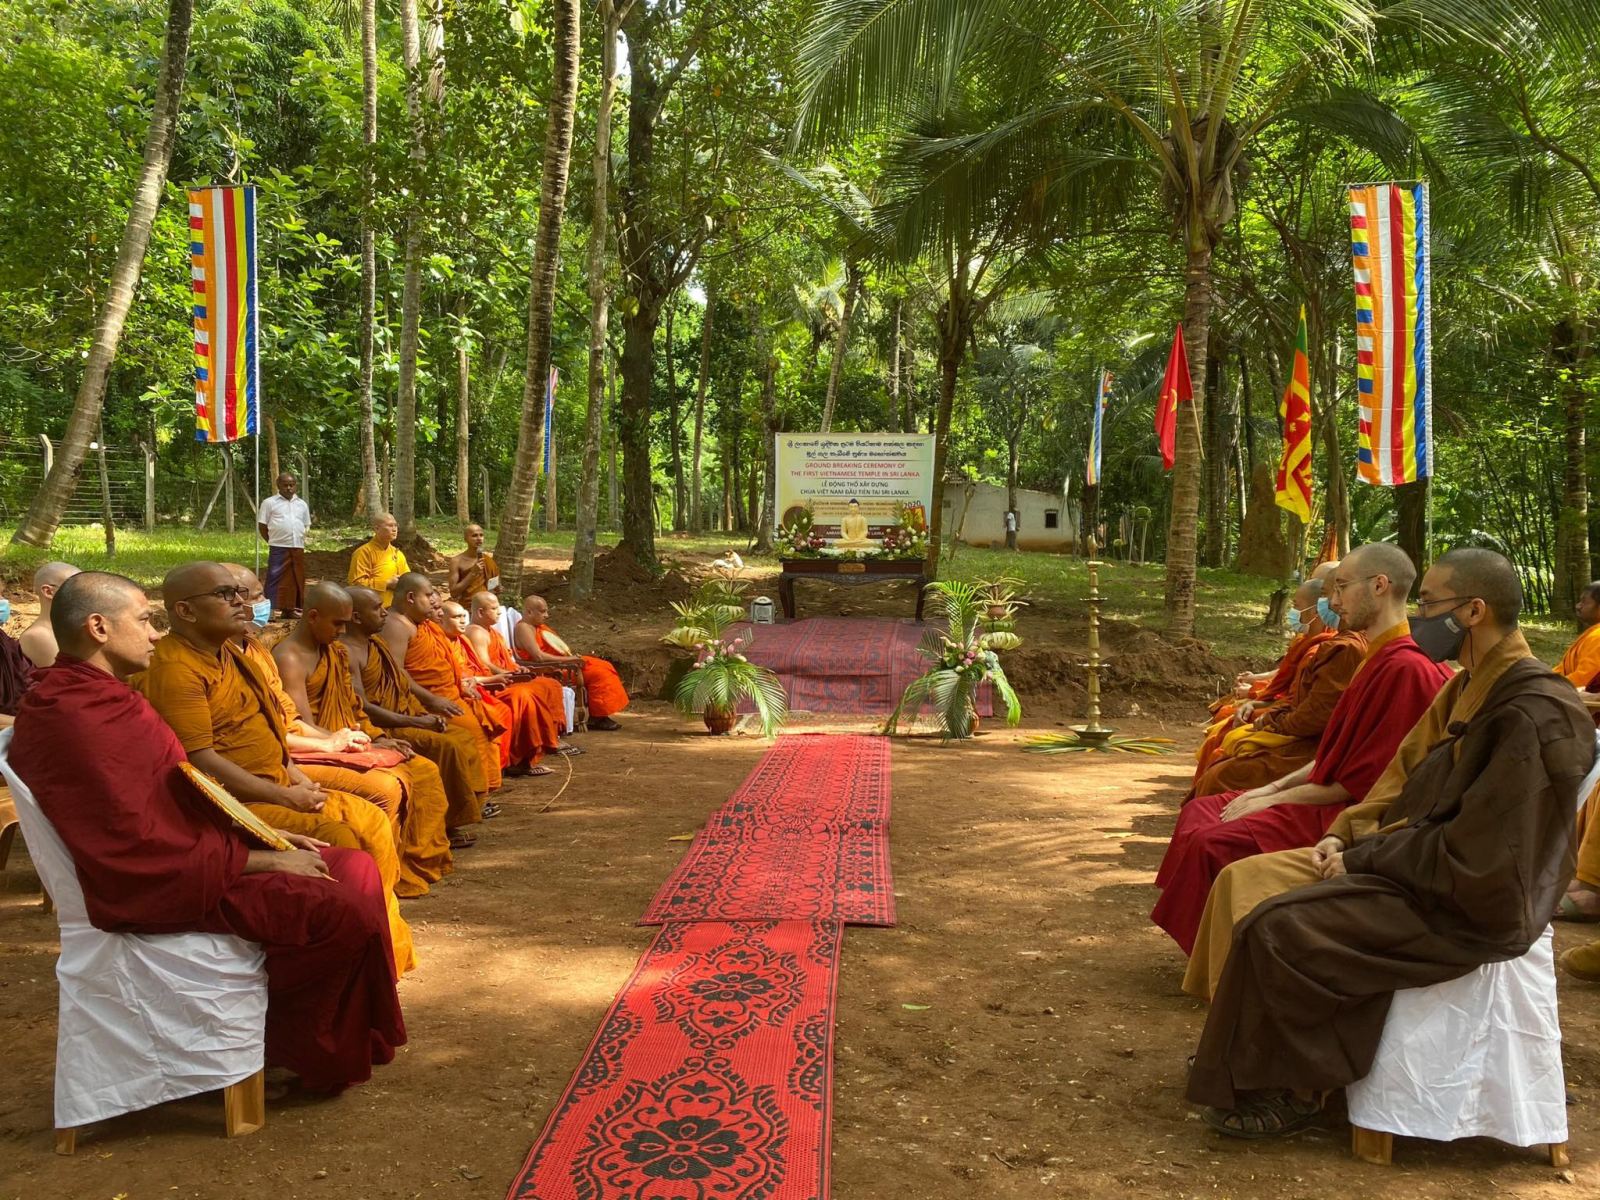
(569,750)
(1568,910)
(461,840)
(540,770)
(1263,1117)
(491,810)
(605,724)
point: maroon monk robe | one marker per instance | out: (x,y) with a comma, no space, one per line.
(153,856)
(1386,698)
(16,673)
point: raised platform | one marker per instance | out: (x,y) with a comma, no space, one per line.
(852,666)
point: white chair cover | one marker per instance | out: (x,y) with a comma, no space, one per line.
(143,1018)
(1479,1056)
(569,699)
(507,624)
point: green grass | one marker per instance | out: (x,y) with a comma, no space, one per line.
(1231,606)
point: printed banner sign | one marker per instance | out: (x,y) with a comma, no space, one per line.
(854,483)
(222,248)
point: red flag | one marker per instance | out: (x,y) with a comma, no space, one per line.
(1175,389)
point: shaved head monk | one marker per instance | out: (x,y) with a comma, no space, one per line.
(1455,860)
(537,643)
(1580,666)
(222,705)
(38,641)
(394,703)
(315,669)
(473,570)
(379,563)
(536,708)
(1392,688)
(1250,685)
(1271,740)
(154,856)
(417,641)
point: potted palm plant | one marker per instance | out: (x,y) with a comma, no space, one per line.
(722,675)
(963,655)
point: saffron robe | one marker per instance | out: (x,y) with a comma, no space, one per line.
(1279,687)
(227,704)
(532,710)
(1284,737)
(373,566)
(153,856)
(454,750)
(1580,665)
(424,845)
(435,666)
(1394,687)
(1478,850)
(476,578)
(606,695)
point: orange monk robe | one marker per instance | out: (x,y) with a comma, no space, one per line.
(424,845)
(1581,663)
(532,710)
(454,750)
(434,665)
(227,704)
(1283,737)
(607,696)
(1299,653)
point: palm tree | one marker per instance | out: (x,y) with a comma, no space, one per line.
(405,412)
(1179,89)
(563,105)
(38,527)
(369,252)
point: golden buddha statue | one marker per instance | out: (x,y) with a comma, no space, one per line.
(853,530)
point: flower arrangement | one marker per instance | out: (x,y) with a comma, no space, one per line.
(723,674)
(907,538)
(964,655)
(1000,599)
(799,538)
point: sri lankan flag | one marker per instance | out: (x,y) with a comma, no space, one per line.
(1294,471)
(222,251)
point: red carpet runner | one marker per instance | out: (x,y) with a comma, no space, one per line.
(711,1075)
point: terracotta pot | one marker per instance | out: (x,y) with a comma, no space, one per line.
(997,612)
(720,720)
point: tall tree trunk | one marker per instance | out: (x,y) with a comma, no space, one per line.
(405,412)
(697,516)
(1571,346)
(680,498)
(769,446)
(1245,425)
(581,577)
(1013,469)
(896,418)
(1411,533)
(1216,463)
(513,537)
(44,515)
(614,481)
(1338,484)
(463,417)
(638,483)
(273,468)
(841,341)
(1181,527)
(954,327)
(369,256)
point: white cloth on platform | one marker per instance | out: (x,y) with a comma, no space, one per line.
(143,1018)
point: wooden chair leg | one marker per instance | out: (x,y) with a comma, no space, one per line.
(1559,1156)
(244,1105)
(1371,1146)
(49,905)
(7,836)
(66,1141)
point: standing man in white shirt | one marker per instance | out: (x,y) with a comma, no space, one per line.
(282,523)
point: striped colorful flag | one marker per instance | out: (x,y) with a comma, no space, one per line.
(1097,430)
(1389,249)
(549,416)
(1294,471)
(222,248)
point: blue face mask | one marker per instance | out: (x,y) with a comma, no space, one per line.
(1295,623)
(261,613)
(1325,613)
(5,610)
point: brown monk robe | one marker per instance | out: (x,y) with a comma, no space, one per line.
(530,709)
(1465,869)
(393,702)
(221,705)
(413,634)
(473,570)
(1276,739)
(315,669)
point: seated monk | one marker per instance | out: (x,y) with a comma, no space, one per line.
(154,856)
(1265,690)
(536,642)
(315,669)
(16,672)
(472,570)
(379,563)
(531,709)
(1391,690)
(1581,663)
(1455,860)
(1583,894)
(488,646)
(395,704)
(38,641)
(220,702)
(413,634)
(1269,741)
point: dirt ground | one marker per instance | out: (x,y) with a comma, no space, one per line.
(1047,1062)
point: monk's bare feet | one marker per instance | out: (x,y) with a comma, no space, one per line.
(603,723)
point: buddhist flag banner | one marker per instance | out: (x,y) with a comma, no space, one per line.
(1294,471)
(549,416)
(222,248)
(1175,389)
(1389,249)
(1097,430)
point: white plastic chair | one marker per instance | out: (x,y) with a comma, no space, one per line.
(1478,1056)
(144,1018)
